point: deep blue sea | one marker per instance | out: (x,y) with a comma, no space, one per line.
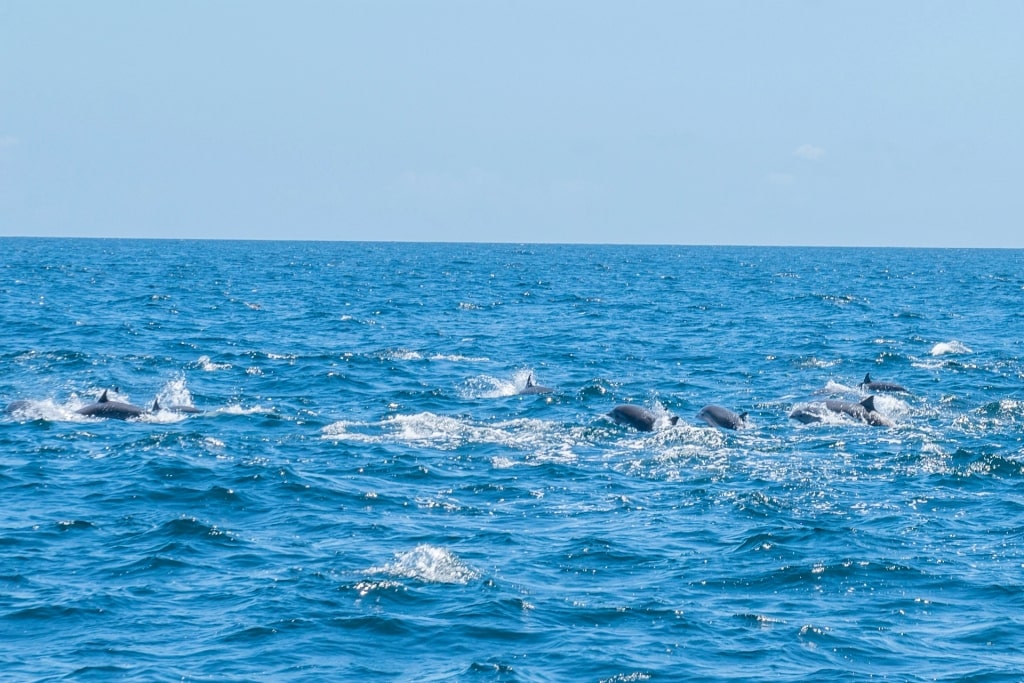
(367,496)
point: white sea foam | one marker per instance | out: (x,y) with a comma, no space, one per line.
(833,387)
(456,358)
(236,409)
(429,564)
(669,442)
(401,354)
(541,440)
(818,363)
(342,430)
(174,393)
(49,410)
(891,405)
(204,363)
(366,587)
(521,377)
(950,347)
(162,417)
(1012,406)
(485,386)
(627,678)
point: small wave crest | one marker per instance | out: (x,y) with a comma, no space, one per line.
(950,347)
(400,355)
(236,409)
(634,677)
(818,363)
(429,564)
(485,386)
(205,364)
(458,358)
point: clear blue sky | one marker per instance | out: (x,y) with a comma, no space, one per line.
(878,123)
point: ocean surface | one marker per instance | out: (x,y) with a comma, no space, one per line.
(366,494)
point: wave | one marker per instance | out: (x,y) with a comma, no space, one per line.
(449,521)
(400,355)
(429,564)
(950,347)
(205,364)
(541,440)
(458,358)
(237,409)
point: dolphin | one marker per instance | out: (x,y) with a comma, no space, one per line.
(723,418)
(174,408)
(116,410)
(636,417)
(534,388)
(863,411)
(17,406)
(869,385)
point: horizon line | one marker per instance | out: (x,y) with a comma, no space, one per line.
(501,242)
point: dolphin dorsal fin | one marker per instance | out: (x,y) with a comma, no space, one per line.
(103,398)
(529,380)
(156,406)
(869,403)
(743,416)
(867,379)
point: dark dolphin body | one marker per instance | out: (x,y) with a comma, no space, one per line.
(723,418)
(17,406)
(115,410)
(863,411)
(868,385)
(636,417)
(533,388)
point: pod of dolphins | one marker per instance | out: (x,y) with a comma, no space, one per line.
(629,415)
(819,411)
(108,408)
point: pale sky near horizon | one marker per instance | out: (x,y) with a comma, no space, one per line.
(797,122)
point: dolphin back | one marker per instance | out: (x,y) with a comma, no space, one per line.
(17,406)
(633,416)
(864,411)
(723,418)
(871,385)
(115,410)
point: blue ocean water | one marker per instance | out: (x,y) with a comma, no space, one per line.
(367,496)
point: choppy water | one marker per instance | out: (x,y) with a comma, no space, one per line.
(368,497)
